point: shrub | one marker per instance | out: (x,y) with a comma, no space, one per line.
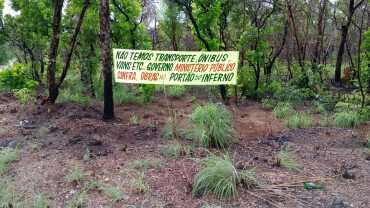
(138,184)
(170,132)
(122,95)
(286,159)
(7,156)
(147,91)
(212,125)
(74,92)
(293,95)
(18,77)
(327,101)
(347,119)
(283,110)
(298,121)
(25,96)
(269,103)
(76,175)
(176,91)
(8,198)
(218,176)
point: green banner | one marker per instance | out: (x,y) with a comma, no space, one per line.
(175,67)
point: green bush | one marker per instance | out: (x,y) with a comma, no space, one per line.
(8,198)
(212,126)
(7,156)
(122,95)
(172,150)
(147,91)
(299,120)
(269,103)
(25,96)
(169,132)
(18,77)
(347,119)
(327,101)
(283,110)
(217,176)
(176,91)
(293,95)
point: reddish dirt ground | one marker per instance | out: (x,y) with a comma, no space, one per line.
(54,139)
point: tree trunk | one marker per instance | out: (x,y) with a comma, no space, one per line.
(105,40)
(54,44)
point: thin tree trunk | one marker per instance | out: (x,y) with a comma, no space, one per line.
(106,60)
(53,53)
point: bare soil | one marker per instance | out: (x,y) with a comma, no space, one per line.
(55,139)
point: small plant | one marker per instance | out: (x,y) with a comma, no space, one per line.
(80,200)
(112,192)
(25,96)
(122,95)
(7,156)
(147,91)
(135,120)
(298,121)
(138,184)
(145,164)
(76,175)
(268,103)
(218,176)
(176,91)
(286,159)
(8,198)
(212,126)
(41,202)
(283,110)
(170,131)
(347,119)
(249,179)
(326,120)
(172,150)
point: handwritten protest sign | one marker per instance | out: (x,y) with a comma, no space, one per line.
(175,67)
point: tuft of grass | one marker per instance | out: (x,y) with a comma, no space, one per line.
(283,110)
(122,95)
(217,176)
(145,164)
(347,119)
(287,160)
(212,126)
(80,200)
(172,150)
(7,156)
(8,198)
(176,91)
(298,121)
(269,103)
(135,120)
(41,201)
(170,131)
(138,184)
(112,192)
(76,175)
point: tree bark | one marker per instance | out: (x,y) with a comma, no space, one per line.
(54,45)
(344,33)
(106,60)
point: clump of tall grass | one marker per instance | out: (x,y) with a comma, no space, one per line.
(7,156)
(219,176)
(298,121)
(287,160)
(283,110)
(347,119)
(212,126)
(176,91)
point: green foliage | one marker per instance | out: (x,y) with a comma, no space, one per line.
(41,202)
(328,101)
(7,156)
(121,95)
(269,103)
(287,160)
(298,121)
(283,110)
(17,78)
(147,91)
(80,200)
(172,150)
(293,95)
(74,91)
(76,175)
(212,126)
(112,192)
(25,96)
(8,198)
(169,131)
(176,91)
(218,176)
(347,119)
(139,185)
